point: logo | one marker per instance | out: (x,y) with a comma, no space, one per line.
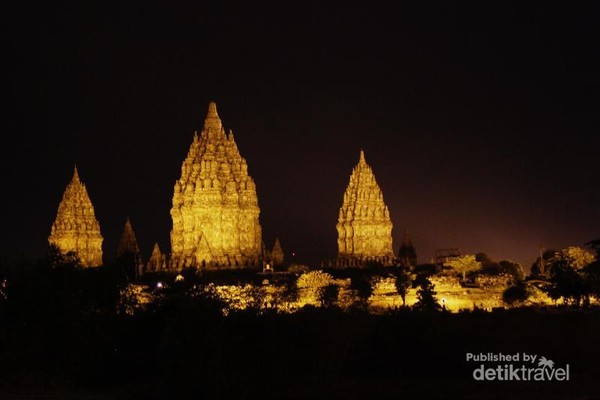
(516,367)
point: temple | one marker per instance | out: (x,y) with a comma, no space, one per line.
(129,255)
(76,228)
(157,261)
(276,254)
(407,254)
(364,226)
(215,207)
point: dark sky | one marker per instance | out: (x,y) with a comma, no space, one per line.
(480,122)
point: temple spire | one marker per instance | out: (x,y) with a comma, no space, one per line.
(212,110)
(212,121)
(277,253)
(76,228)
(157,261)
(361,159)
(407,253)
(215,207)
(364,226)
(75,178)
(129,256)
(128,242)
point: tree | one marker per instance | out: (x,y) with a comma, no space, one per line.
(592,277)
(567,282)
(403,283)
(516,294)
(314,280)
(488,266)
(592,271)
(512,268)
(360,284)
(328,295)
(595,245)
(574,256)
(539,268)
(464,264)
(289,292)
(491,267)
(426,300)
(57,259)
(572,275)
(311,283)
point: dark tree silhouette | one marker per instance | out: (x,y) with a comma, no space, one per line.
(403,283)
(328,295)
(426,297)
(539,269)
(512,268)
(592,270)
(516,294)
(488,266)
(595,245)
(567,283)
(56,258)
(491,267)
(360,283)
(290,294)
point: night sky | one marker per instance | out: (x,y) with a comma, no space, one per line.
(480,122)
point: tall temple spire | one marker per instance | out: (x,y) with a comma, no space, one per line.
(407,254)
(129,255)
(277,253)
(157,261)
(364,226)
(75,178)
(212,122)
(215,207)
(76,228)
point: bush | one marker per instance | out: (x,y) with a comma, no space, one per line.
(516,294)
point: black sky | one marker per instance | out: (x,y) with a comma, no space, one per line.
(480,122)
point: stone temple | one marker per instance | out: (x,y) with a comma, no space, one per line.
(76,228)
(215,208)
(157,261)
(129,255)
(364,226)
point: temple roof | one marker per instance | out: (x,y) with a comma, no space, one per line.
(75,178)
(364,226)
(361,159)
(75,227)
(128,242)
(212,120)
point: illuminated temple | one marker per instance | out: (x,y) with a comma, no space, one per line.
(364,226)
(75,228)
(215,207)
